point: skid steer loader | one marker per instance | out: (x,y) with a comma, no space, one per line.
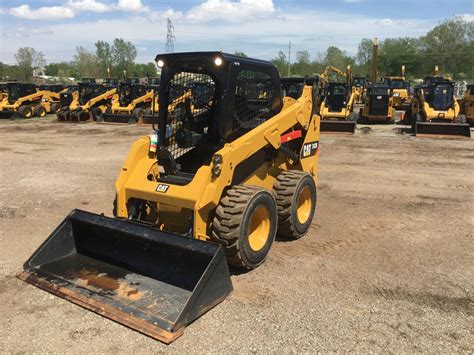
(52,98)
(336,109)
(92,100)
(434,110)
(129,104)
(24,100)
(206,186)
(467,106)
(399,87)
(358,87)
(378,104)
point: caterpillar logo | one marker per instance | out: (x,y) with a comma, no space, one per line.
(162,188)
(309,149)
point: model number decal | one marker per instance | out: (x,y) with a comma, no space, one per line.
(162,188)
(309,149)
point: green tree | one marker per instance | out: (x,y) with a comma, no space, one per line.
(281,63)
(28,59)
(103,51)
(338,58)
(123,54)
(449,45)
(395,52)
(144,70)
(303,65)
(241,54)
(66,68)
(86,63)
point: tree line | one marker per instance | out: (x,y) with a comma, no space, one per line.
(450,45)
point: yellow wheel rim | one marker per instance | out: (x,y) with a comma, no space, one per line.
(304,205)
(259,228)
(28,114)
(43,113)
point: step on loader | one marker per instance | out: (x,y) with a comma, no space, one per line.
(211,186)
(435,112)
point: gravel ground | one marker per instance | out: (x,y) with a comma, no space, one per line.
(387,265)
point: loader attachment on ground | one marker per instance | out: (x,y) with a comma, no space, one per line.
(442,130)
(152,281)
(116,118)
(9,115)
(338,126)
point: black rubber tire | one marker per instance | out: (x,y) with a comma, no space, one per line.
(287,190)
(55,107)
(25,111)
(40,111)
(96,113)
(230,226)
(137,115)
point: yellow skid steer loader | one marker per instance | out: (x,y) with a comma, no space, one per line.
(209,187)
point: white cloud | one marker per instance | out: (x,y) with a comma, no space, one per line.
(467,17)
(387,22)
(131,5)
(233,11)
(88,5)
(42,13)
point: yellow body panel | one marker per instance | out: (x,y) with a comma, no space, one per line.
(137,178)
(432,114)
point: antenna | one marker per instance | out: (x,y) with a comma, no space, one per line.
(170,38)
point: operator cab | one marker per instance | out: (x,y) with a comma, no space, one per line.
(19,90)
(379,96)
(438,92)
(336,96)
(225,97)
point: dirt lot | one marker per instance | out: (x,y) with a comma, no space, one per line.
(387,266)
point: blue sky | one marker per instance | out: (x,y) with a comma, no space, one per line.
(260,28)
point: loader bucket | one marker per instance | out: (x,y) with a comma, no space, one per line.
(442,130)
(336,126)
(80,116)
(149,280)
(9,115)
(116,118)
(63,115)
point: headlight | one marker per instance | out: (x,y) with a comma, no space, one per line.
(160,63)
(218,61)
(216,165)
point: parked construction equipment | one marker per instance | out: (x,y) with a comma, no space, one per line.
(53,97)
(467,106)
(378,104)
(336,109)
(434,110)
(358,89)
(92,101)
(24,101)
(131,102)
(399,89)
(211,183)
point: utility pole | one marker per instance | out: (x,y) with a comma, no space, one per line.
(289,58)
(375,50)
(170,38)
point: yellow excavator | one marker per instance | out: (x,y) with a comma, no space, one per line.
(207,188)
(92,101)
(434,110)
(336,109)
